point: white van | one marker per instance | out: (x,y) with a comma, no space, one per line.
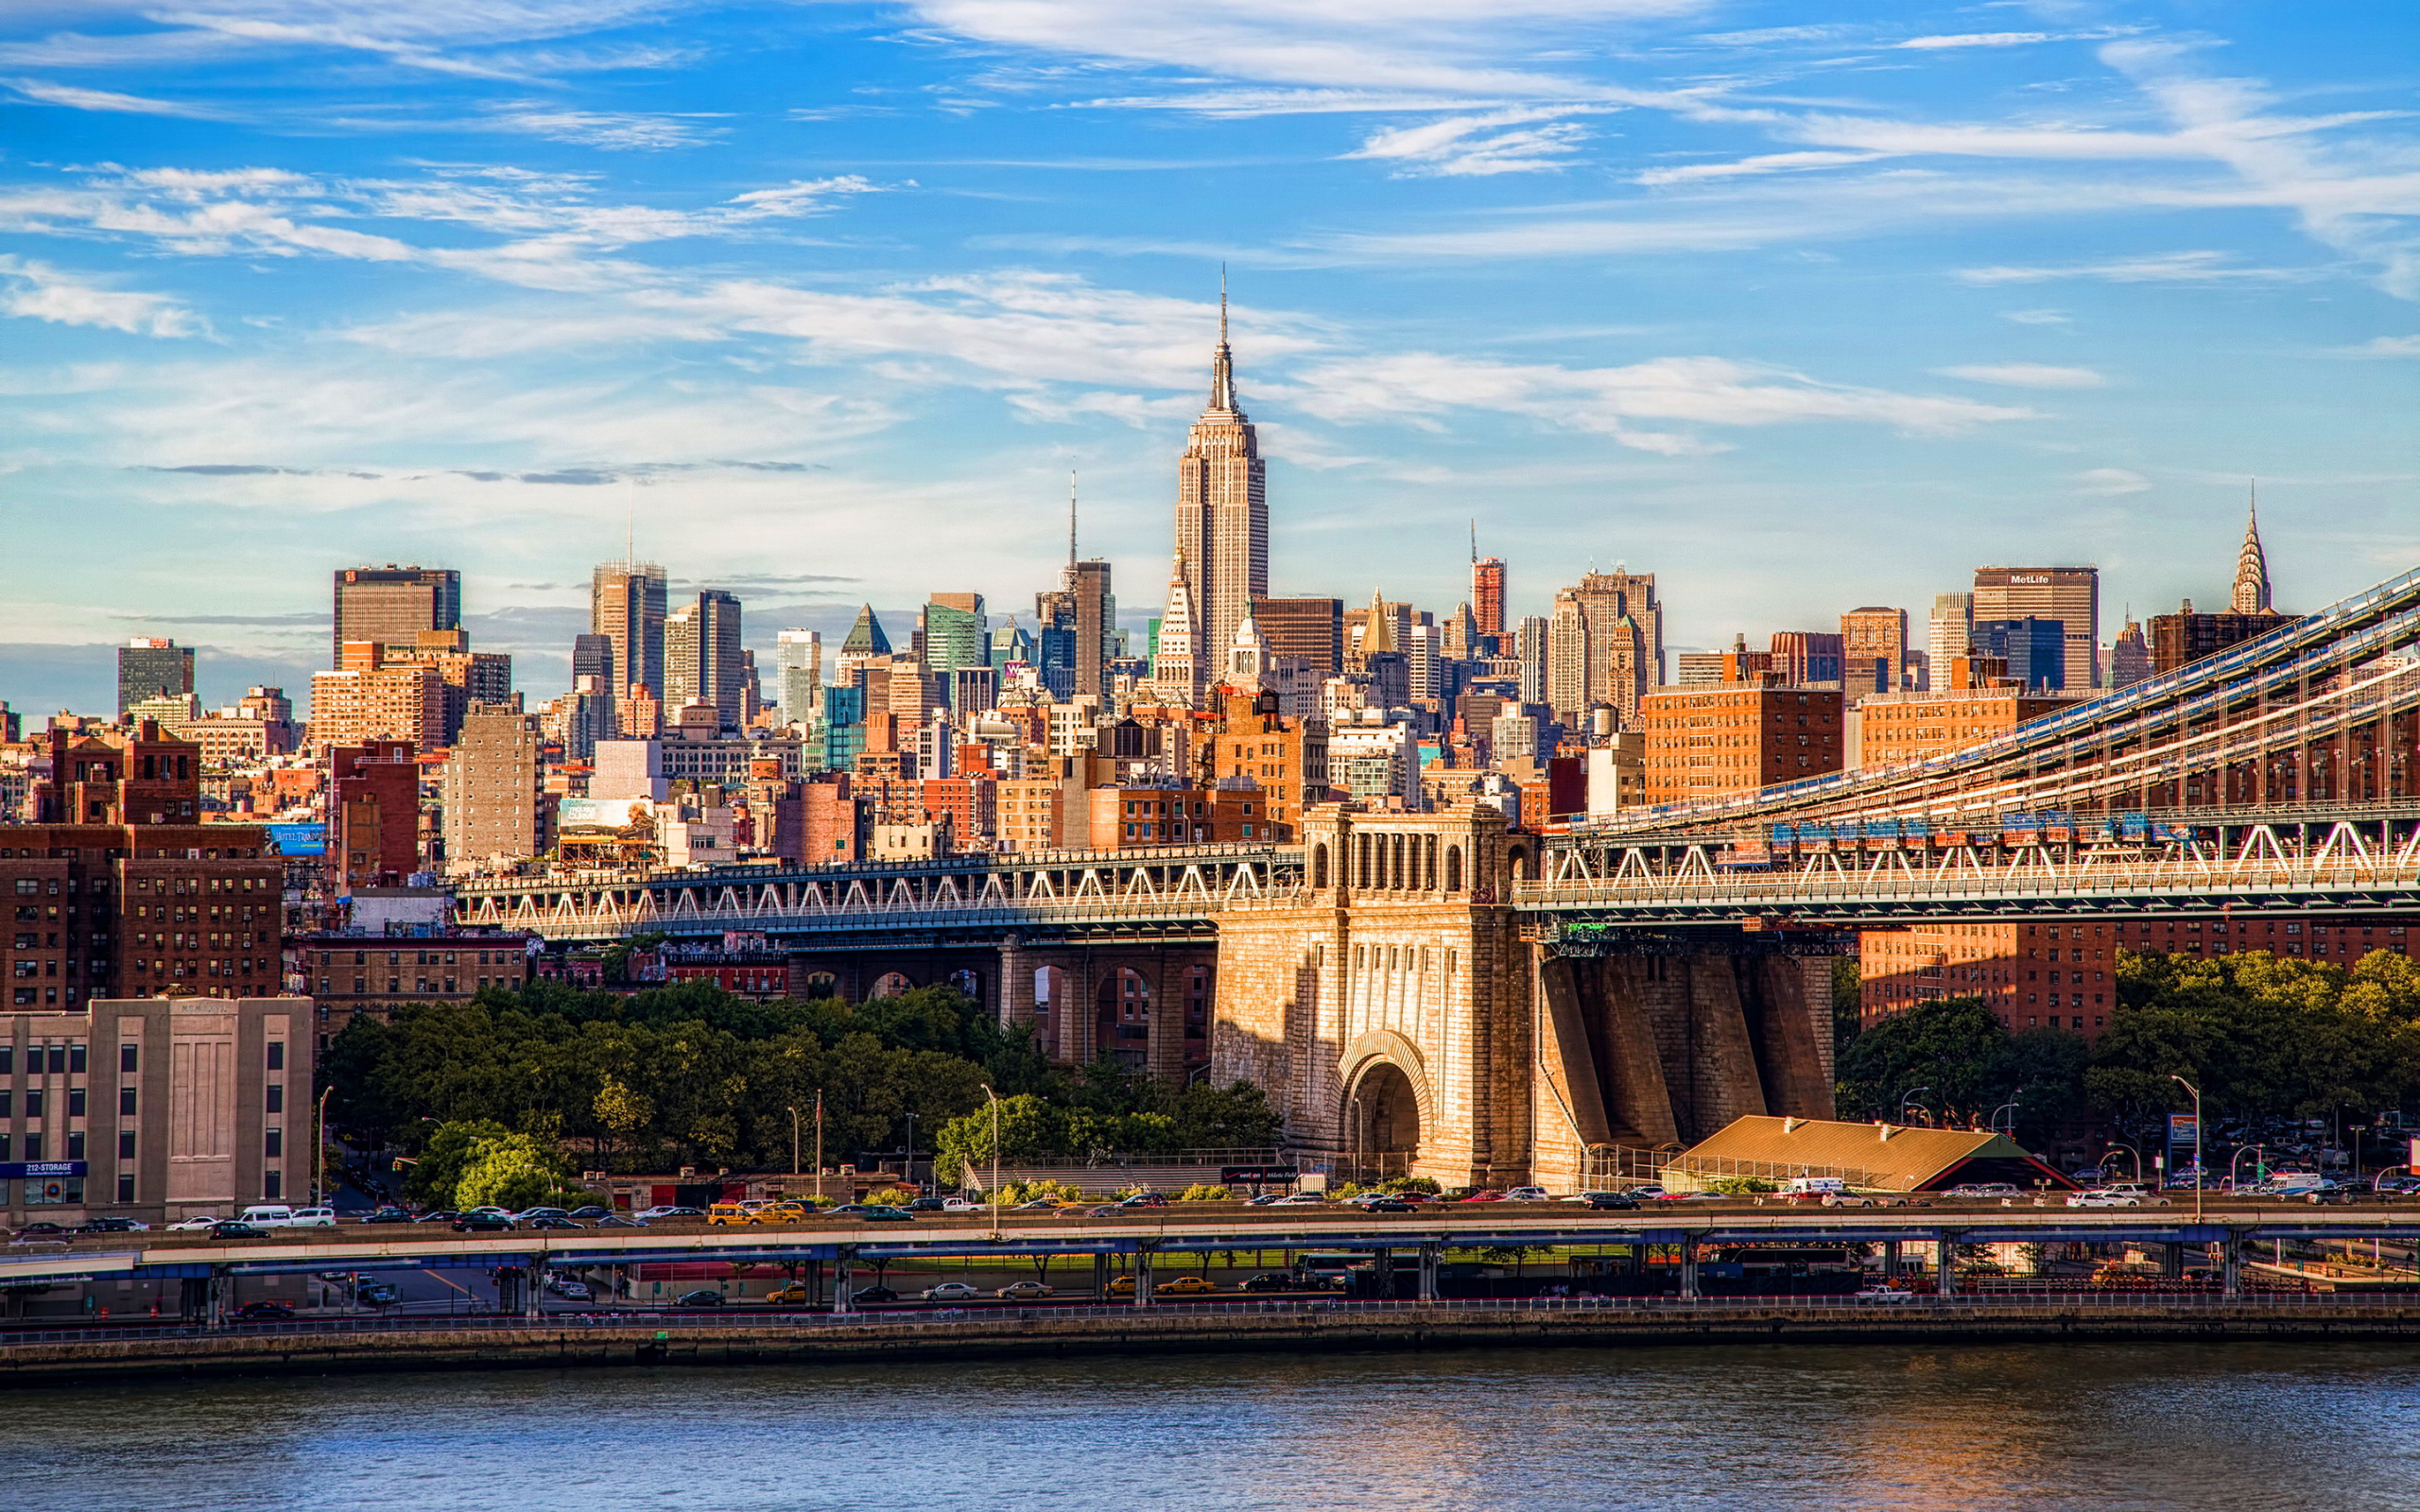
(267,1215)
(313,1218)
(1814,1186)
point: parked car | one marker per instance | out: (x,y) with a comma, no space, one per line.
(872,1293)
(263,1313)
(569,1289)
(483,1223)
(2091,1176)
(388,1214)
(951,1292)
(237,1228)
(1183,1286)
(378,1294)
(703,1296)
(1023,1291)
(110,1226)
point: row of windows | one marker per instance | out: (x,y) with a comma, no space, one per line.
(425,957)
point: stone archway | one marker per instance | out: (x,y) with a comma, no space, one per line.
(1385,1111)
(891,985)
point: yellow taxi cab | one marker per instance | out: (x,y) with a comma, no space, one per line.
(1185,1286)
(785,1213)
(724,1215)
(1122,1286)
(794,1294)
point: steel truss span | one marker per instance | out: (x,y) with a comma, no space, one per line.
(2322,710)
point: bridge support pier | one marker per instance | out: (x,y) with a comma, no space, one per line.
(841,1301)
(2230,1265)
(1890,1260)
(1689,1267)
(1944,1251)
(1100,1277)
(1429,1257)
(1142,1275)
(2171,1261)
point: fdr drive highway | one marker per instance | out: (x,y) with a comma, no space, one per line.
(2232,1304)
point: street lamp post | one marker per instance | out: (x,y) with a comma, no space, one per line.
(911,1162)
(995,1159)
(819,1145)
(2197,1141)
(2137,1158)
(1910,1098)
(319,1145)
(793,1142)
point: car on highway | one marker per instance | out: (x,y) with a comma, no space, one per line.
(1527,1194)
(1847,1200)
(312,1218)
(1883,1294)
(570,1289)
(1383,1202)
(871,1212)
(110,1226)
(616,1221)
(1273,1281)
(2330,1193)
(390,1214)
(1185,1286)
(961,1205)
(1300,1199)
(237,1228)
(590,1213)
(1107,1209)
(2390,1185)
(1144,1199)
(872,1293)
(196,1223)
(1984,1192)
(1024,1292)
(1483,1195)
(951,1292)
(34,1233)
(663,1213)
(922,1205)
(378,1294)
(483,1223)
(2104,1197)
(1648,1191)
(262,1313)
(532,1214)
(552,1222)
(703,1296)
(1612,1202)
(1037,1205)
(1122,1286)
(792,1294)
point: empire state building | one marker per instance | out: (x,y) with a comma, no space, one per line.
(1222,508)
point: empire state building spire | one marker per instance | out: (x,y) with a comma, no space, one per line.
(1221,508)
(2250,595)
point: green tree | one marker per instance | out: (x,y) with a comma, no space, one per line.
(1952,1046)
(512,1171)
(448,1153)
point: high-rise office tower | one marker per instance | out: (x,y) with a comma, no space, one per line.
(2130,656)
(1874,650)
(1487,594)
(393,605)
(1948,635)
(1607,646)
(864,641)
(702,660)
(1176,660)
(1535,656)
(1222,506)
(798,674)
(152,667)
(496,802)
(1312,628)
(2250,595)
(1077,621)
(625,603)
(592,656)
(2071,595)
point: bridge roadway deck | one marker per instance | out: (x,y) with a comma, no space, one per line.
(1184,1232)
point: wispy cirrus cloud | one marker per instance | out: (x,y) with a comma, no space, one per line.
(2202,266)
(42,91)
(38,291)
(2026,375)
(1537,139)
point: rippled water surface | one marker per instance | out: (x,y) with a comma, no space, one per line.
(2086,1426)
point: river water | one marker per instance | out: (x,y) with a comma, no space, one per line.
(2206,1427)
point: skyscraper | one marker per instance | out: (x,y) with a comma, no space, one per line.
(798,672)
(1487,594)
(152,667)
(1874,650)
(393,604)
(1606,645)
(1176,661)
(1948,635)
(2251,596)
(864,641)
(592,656)
(1312,628)
(1222,507)
(2071,595)
(625,602)
(703,661)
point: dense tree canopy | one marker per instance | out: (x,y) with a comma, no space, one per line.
(2264,1039)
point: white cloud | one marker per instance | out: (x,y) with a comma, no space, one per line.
(2165,267)
(1702,391)
(2038,317)
(2383,347)
(1518,141)
(2026,375)
(37,291)
(44,92)
(1752,167)
(621,130)
(2110,482)
(1979,39)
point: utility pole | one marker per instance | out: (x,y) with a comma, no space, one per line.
(995,1159)
(2197,1141)
(819,1144)
(793,1142)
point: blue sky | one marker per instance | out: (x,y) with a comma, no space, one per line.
(1800,307)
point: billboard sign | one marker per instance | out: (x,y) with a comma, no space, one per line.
(299,839)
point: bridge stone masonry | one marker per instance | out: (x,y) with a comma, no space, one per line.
(1447,995)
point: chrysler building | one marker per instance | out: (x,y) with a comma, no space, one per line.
(1222,508)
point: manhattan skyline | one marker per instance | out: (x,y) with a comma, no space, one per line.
(1795,314)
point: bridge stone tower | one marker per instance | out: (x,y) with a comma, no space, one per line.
(1386,1005)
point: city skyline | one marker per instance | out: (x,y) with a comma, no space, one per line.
(1608,280)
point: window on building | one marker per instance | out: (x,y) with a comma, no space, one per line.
(276,1097)
(274,1140)
(277,1054)
(76,1102)
(128,1058)
(126,1187)
(126,1145)
(273,1185)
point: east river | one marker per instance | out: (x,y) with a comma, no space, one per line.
(2100,1426)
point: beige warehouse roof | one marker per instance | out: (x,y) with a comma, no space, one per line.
(1887,1157)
